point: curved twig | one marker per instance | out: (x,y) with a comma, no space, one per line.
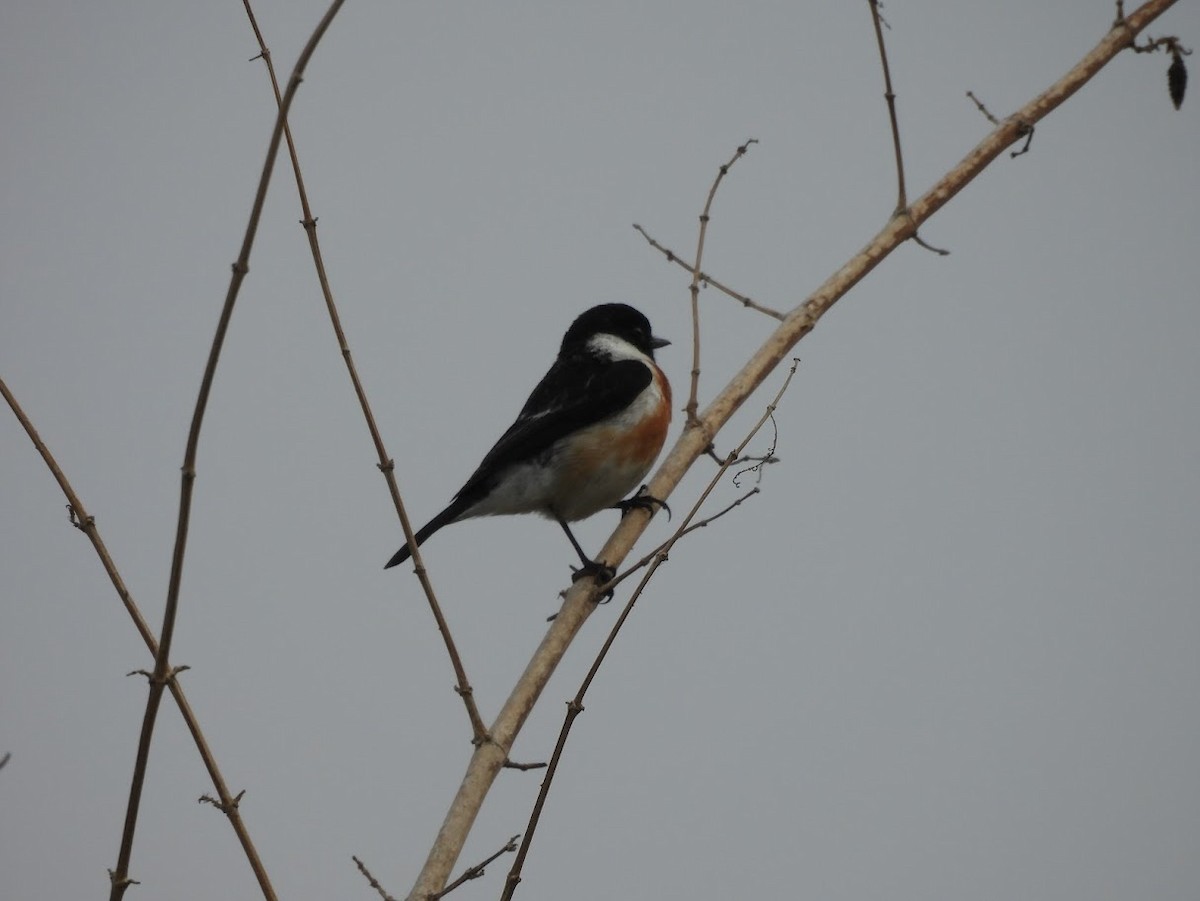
(694,289)
(386,465)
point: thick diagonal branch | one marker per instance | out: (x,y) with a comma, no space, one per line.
(580,599)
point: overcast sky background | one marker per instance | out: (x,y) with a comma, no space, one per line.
(949,652)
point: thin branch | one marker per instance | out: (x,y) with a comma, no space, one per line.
(987,114)
(86,523)
(580,599)
(223,806)
(673,257)
(694,289)
(705,523)
(759,462)
(469,873)
(648,558)
(83,521)
(575,705)
(920,242)
(386,466)
(162,677)
(890,96)
(524,767)
(362,868)
(478,870)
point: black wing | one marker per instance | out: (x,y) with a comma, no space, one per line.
(579,390)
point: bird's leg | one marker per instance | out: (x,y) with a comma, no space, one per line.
(601,571)
(641,501)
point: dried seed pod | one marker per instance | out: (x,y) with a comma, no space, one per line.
(1177,79)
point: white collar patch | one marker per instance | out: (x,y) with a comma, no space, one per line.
(615,348)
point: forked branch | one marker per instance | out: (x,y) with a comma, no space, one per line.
(694,289)
(86,523)
(119,877)
(890,96)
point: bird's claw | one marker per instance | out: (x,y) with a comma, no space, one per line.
(594,569)
(642,501)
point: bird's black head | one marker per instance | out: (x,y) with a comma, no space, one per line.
(617,319)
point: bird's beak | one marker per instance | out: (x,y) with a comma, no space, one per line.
(657,342)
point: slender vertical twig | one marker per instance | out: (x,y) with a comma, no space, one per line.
(163,673)
(890,96)
(86,523)
(386,464)
(694,288)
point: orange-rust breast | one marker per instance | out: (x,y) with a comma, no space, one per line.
(646,438)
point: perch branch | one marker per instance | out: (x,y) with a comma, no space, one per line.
(575,705)
(580,599)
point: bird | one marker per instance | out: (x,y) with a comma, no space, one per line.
(588,434)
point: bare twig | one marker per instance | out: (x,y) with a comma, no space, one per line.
(940,251)
(524,767)
(729,508)
(579,603)
(673,257)
(362,868)
(468,874)
(983,109)
(1026,131)
(87,524)
(223,806)
(890,96)
(386,466)
(694,289)
(575,705)
(648,558)
(476,871)
(81,520)
(162,677)
(764,460)
(1171,44)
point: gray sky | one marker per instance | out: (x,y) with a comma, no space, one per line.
(949,652)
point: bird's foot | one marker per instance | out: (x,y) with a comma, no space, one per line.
(594,569)
(641,501)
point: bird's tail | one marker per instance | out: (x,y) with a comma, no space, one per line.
(444,518)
